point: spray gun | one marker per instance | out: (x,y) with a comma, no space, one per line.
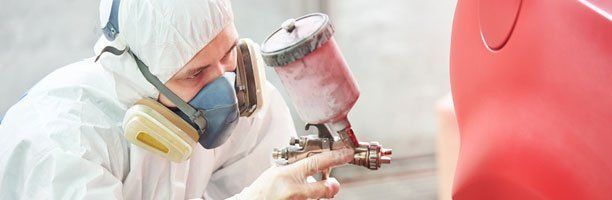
(309,64)
(370,155)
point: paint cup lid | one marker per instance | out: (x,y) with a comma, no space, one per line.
(296,38)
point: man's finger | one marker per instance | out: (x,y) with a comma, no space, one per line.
(321,189)
(314,164)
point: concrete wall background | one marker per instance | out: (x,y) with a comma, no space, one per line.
(38,37)
(399,52)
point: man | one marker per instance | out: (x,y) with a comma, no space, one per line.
(64,139)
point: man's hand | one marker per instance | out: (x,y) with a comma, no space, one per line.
(289,182)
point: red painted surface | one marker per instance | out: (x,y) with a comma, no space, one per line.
(535,116)
(497,19)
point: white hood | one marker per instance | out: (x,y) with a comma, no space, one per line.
(165,35)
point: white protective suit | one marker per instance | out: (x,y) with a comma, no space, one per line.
(64,139)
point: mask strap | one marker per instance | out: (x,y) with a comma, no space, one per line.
(196,116)
(111,29)
(111,50)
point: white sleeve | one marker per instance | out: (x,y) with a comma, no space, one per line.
(54,174)
(59,159)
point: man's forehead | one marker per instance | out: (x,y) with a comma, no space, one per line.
(203,58)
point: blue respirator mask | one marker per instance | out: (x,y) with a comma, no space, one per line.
(219,105)
(208,119)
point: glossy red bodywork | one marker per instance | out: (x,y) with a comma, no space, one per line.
(535,113)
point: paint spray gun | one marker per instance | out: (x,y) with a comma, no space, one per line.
(310,65)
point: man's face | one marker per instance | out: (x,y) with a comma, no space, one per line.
(217,57)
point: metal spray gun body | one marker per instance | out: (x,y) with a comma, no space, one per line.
(370,155)
(308,61)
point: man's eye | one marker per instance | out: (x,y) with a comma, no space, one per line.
(232,52)
(195,74)
(226,56)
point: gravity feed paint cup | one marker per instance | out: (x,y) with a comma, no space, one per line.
(310,65)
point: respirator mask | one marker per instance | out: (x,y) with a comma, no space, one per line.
(209,118)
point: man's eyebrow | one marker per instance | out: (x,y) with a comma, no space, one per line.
(193,71)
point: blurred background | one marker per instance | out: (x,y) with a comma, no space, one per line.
(398,51)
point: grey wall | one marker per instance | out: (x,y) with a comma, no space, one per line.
(399,53)
(37,37)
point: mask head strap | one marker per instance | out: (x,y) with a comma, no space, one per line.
(195,115)
(111,29)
